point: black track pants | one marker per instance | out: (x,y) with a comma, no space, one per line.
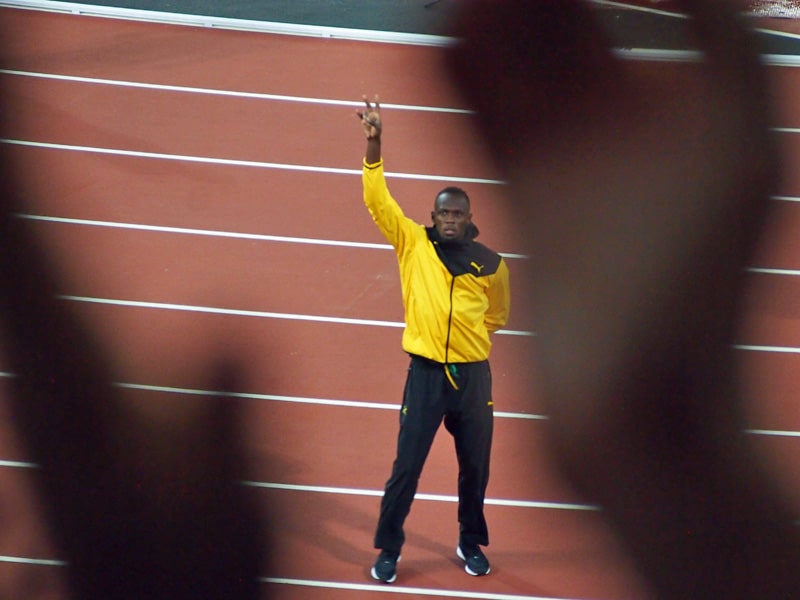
(467,412)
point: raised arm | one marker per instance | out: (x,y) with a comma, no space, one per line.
(371,122)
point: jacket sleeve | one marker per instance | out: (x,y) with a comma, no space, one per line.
(499,294)
(385,211)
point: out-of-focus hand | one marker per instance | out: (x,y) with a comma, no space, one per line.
(640,196)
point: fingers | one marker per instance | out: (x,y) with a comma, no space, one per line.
(369,120)
(370,116)
(375,106)
(369,107)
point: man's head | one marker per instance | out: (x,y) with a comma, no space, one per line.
(451,213)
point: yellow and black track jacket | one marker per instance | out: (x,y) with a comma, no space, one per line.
(453,300)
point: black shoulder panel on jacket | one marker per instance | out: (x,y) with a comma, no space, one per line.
(473,258)
(483,260)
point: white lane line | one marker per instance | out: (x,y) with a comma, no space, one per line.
(790,272)
(338,320)
(231,311)
(302,400)
(326,402)
(779,349)
(399,589)
(342,585)
(254,396)
(344,491)
(33,561)
(774,432)
(216,233)
(324,319)
(204,232)
(239,163)
(256,313)
(278,238)
(636,8)
(230,93)
(655,55)
(263,164)
(18,464)
(317,489)
(677,56)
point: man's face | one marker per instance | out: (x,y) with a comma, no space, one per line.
(451,215)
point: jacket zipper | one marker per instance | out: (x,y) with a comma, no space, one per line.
(447,365)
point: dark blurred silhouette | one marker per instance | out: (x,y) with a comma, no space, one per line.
(641,202)
(139,507)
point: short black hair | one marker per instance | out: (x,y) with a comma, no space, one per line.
(456,191)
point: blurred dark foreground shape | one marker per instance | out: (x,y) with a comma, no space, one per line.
(641,201)
(139,505)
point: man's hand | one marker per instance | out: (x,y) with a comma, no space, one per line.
(371,118)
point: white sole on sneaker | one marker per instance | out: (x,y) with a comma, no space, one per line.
(376,578)
(467,570)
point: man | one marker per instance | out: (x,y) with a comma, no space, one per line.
(455,293)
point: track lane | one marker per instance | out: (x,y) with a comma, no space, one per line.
(178,55)
(358,283)
(234,128)
(337,457)
(328,537)
(771,387)
(238,198)
(281,357)
(575,555)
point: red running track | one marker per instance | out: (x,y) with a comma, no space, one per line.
(167,257)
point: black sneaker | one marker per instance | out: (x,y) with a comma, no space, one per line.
(476,561)
(385,567)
